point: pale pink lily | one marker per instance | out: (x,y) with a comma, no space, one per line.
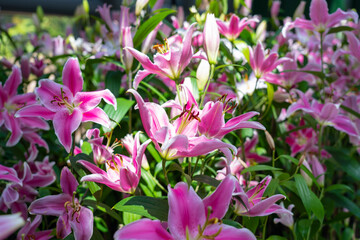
(66,105)
(232,29)
(286,218)
(169,62)
(177,139)
(10,102)
(253,203)
(129,142)
(67,207)
(354,45)
(9,224)
(190,217)
(122,173)
(213,123)
(29,230)
(326,114)
(261,64)
(321,21)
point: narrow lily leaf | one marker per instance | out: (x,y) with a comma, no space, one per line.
(152,150)
(154,90)
(115,116)
(102,207)
(302,167)
(276,237)
(149,207)
(344,202)
(149,25)
(113,82)
(339,187)
(310,200)
(340,29)
(349,110)
(260,168)
(347,163)
(206,179)
(130,217)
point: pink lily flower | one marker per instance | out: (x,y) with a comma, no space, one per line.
(122,173)
(321,21)
(129,142)
(67,207)
(285,218)
(253,204)
(9,224)
(212,122)
(250,145)
(101,152)
(28,231)
(10,102)
(179,138)
(261,64)
(327,114)
(232,29)
(66,105)
(190,217)
(169,62)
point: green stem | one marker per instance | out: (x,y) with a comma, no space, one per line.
(157,182)
(319,140)
(212,69)
(178,92)
(130,110)
(264,229)
(165,172)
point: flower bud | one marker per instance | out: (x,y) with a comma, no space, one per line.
(127,42)
(211,38)
(299,12)
(202,74)
(140,4)
(270,140)
(25,67)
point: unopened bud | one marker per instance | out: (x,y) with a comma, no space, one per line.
(202,74)
(270,140)
(302,159)
(140,4)
(211,38)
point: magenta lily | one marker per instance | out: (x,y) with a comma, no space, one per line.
(321,21)
(261,64)
(9,224)
(66,105)
(213,123)
(232,29)
(190,217)
(29,230)
(10,102)
(169,62)
(177,139)
(122,173)
(67,207)
(253,204)
(326,114)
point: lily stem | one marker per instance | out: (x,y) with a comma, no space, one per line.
(130,110)
(165,172)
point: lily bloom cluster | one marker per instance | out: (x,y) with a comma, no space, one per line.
(214,126)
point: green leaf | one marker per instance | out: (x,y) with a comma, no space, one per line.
(154,90)
(347,163)
(260,168)
(123,106)
(206,179)
(339,187)
(349,110)
(345,202)
(102,207)
(340,29)
(40,13)
(130,217)
(152,150)
(276,237)
(149,25)
(86,148)
(310,200)
(302,227)
(113,81)
(149,207)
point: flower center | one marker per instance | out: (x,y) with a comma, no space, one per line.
(162,48)
(209,221)
(187,116)
(229,104)
(73,208)
(63,101)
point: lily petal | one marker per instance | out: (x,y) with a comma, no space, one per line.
(35,110)
(96,115)
(89,100)
(50,205)
(71,75)
(13,81)
(65,124)
(83,226)
(68,182)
